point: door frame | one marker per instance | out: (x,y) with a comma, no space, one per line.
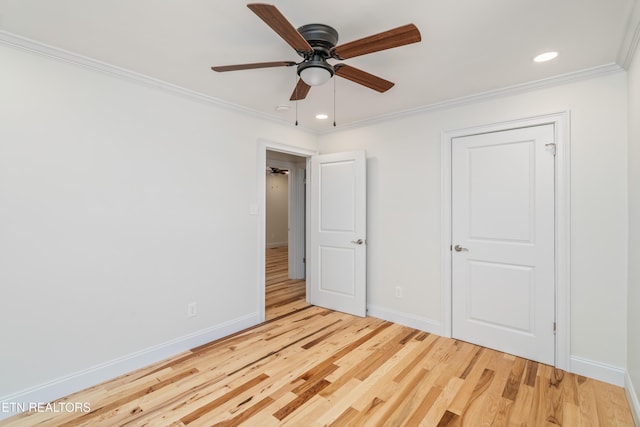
(561,122)
(260,211)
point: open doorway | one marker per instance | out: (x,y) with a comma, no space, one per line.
(331,180)
(285,286)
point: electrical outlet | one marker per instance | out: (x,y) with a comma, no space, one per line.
(398,292)
(192,309)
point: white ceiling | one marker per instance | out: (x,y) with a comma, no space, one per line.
(468,46)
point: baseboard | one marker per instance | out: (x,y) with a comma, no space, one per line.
(411,320)
(588,368)
(599,371)
(632,398)
(276,245)
(64,386)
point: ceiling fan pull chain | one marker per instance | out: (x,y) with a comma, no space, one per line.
(295,79)
(334,102)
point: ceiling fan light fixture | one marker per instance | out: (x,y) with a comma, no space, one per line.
(315,72)
(315,76)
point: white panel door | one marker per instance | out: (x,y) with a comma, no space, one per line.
(503,238)
(338,255)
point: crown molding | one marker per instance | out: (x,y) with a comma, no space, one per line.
(56,53)
(629,45)
(63,55)
(492,94)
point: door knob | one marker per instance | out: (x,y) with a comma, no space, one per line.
(357,242)
(459,248)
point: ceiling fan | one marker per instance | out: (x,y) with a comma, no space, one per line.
(277,171)
(316,43)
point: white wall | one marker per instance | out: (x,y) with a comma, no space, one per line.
(633,299)
(116,211)
(277,210)
(404,197)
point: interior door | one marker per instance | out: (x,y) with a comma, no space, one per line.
(337,249)
(503,240)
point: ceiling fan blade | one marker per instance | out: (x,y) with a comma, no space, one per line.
(252,66)
(300,92)
(362,77)
(278,23)
(400,36)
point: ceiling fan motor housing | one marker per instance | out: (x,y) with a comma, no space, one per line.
(321,37)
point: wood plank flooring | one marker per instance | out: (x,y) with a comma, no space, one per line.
(282,295)
(317,367)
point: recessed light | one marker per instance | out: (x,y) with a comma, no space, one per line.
(547,56)
(322,116)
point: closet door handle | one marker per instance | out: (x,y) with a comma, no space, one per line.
(358,242)
(459,248)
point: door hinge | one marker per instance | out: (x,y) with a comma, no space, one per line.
(451,248)
(304,259)
(553,148)
(554,328)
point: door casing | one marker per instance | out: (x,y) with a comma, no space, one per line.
(562,223)
(259,209)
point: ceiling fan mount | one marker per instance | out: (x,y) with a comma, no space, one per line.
(322,38)
(316,43)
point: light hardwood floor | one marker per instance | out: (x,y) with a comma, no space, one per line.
(319,367)
(282,295)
